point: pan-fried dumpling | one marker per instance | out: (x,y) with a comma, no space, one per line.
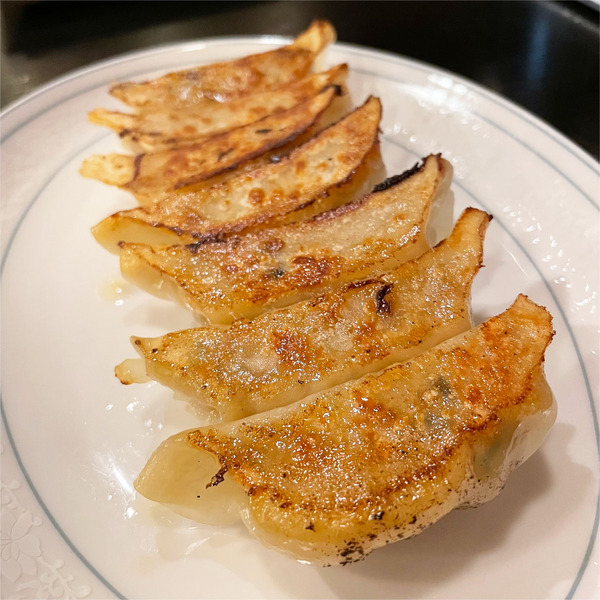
(372,461)
(248,274)
(226,80)
(167,127)
(332,168)
(283,356)
(154,176)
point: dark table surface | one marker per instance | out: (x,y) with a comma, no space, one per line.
(544,56)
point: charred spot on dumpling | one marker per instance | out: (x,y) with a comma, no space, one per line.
(353,552)
(382,306)
(358,284)
(443,386)
(218,477)
(396,179)
(223,154)
(339,90)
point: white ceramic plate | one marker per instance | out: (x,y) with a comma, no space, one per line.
(74,438)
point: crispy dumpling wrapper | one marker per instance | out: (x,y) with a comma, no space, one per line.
(332,477)
(226,80)
(153,176)
(281,357)
(336,166)
(166,127)
(246,275)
